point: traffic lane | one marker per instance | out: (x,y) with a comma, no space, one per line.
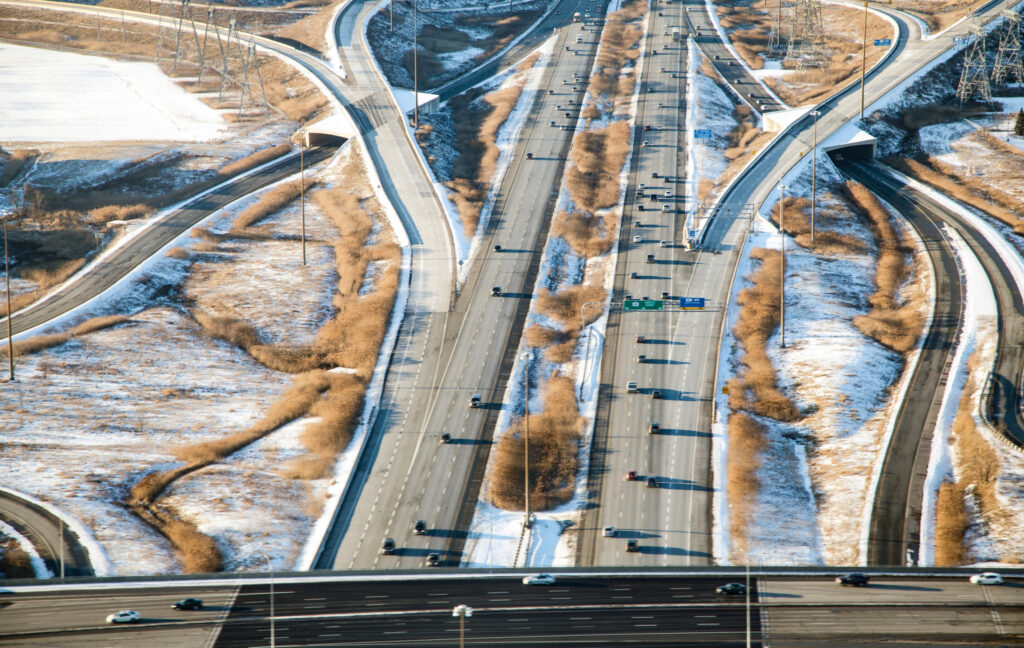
(35,612)
(884,590)
(294,598)
(712,625)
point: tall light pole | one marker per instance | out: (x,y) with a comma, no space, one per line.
(273,637)
(462,611)
(814,173)
(863,58)
(302,189)
(526,454)
(747,592)
(782,276)
(415,68)
(10,315)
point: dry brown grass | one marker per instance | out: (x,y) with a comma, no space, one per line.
(937,14)
(310,30)
(253,160)
(565,307)
(755,387)
(747,442)
(45,276)
(597,157)
(798,226)
(177,252)
(588,236)
(743,143)
(109,213)
(614,77)
(14,561)
(503,29)
(950,526)
(476,128)
(554,452)
(38,343)
(891,323)
(270,202)
(13,165)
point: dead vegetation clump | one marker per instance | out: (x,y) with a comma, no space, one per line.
(476,130)
(754,388)
(554,452)
(950,526)
(937,14)
(587,235)
(112,213)
(743,143)
(566,308)
(747,442)
(615,73)
(253,160)
(38,343)
(597,157)
(270,202)
(891,323)
(45,276)
(798,227)
(993,201)
(13,164)
(14,561)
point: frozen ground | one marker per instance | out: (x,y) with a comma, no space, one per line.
(73,98)
(817,473)
(93,415)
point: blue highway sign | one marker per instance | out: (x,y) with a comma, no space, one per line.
(691,303)
(702,133)
(883,41)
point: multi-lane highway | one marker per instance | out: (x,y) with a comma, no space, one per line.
(589,609)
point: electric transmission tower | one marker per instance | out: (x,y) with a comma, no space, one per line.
(775,32)
(240,67)
(807,39)
(1008,63)
(974,76)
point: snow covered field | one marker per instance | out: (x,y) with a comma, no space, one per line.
(48,96)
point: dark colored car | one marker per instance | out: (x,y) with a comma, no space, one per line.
(856,579)
(496,291)
(654,429)
(388,546)
(656,393)
(640,339)
(529,156)
(630,475)
(632,546)
(420,528)
(433,560)
(446,438)
(188,604)
(652,482)
(731,589)
(497,248)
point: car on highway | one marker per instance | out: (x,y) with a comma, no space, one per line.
(124,616)
(474,400)
(640,339)
(420,527)
(731,589)
(664,244)
(650,258)
(641,358)
(188,604)
(987,578)
(388,546)
(539,579)
(653,428)
(664,294)
(647,127)
(632,546)
(608,532)
(652,482)
(529,155)
(631,475)
(856,579)
(631,387)
(446,438)
(637,238)
(496,291)
(656,394)
(634,275)
(497,248)
(666,208)
(433,560)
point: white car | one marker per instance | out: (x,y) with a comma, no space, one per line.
(608,532)
(123,616)
(987,578)
(539,579)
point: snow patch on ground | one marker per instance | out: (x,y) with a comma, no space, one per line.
(74,97)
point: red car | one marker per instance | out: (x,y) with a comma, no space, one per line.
(631,475)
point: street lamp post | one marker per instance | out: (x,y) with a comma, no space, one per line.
(863,58)
(60,526)
(782,276)
(462,611)
(302,190)
(270,566)
(10,315)
(747,592)
(814,173)
(526,454)
(415,68)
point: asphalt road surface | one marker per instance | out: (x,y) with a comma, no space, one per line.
(44,531)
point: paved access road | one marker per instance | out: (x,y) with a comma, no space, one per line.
(44,531)
(408,474)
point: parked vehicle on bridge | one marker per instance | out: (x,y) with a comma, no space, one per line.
(539,579)
(987,578)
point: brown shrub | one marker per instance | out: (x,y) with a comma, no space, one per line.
(746,443)
(950,525)
(895,325)
(104,215)
(587,235)
(597,157)
(14,561)
(798,226)
(614,77)
(756,388)
(38,343)
(48,277)
(13,165)
(253,160)
(554,450)
(269,203)
(198,552)
(177,252)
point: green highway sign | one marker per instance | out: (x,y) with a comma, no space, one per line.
(642,304)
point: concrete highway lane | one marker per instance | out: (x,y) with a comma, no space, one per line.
(127,257)
(414,476)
